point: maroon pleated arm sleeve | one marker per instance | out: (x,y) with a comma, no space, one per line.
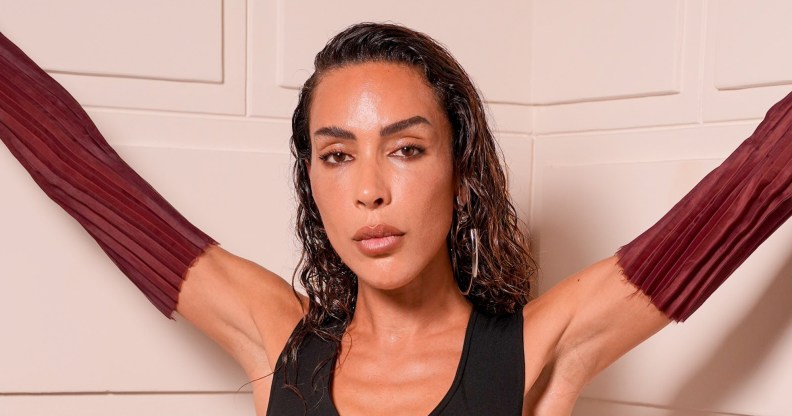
(690,252)
(53,138)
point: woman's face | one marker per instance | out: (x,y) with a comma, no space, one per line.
(381,172)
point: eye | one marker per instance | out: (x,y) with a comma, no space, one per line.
(408,151)
(335,158)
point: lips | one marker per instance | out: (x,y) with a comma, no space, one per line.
(378,240)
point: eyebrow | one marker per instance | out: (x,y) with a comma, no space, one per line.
(388,130)
(403,125)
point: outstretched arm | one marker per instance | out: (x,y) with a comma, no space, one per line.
(668,271)
(53,138)
(690,252)
(232,300)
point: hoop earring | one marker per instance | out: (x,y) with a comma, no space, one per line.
(474,241)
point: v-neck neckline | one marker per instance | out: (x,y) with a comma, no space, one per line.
(437,411)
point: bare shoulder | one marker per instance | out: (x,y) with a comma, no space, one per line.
(245,308)
(584,324)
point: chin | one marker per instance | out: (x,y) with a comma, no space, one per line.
(384,274)
(390,283)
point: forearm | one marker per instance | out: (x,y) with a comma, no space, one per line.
(55,140)
(691,251)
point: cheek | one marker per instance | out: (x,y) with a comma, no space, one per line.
(332,194)
(429,199)
(327,195)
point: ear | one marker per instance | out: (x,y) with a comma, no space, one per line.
(308,166)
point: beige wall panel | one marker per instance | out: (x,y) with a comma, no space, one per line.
(72,322)
(129,405)
(750,44)
(141,39)
(193,131)
(142,55)
(518,155)
(510,118)
(595,193)
(747,66)
(648,146)
(492,43)
(266,96)
(616,64)
(607,49)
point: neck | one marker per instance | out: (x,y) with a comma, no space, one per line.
(431,302)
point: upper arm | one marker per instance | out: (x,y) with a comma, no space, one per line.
(248,310)
(609,317)
(598,316)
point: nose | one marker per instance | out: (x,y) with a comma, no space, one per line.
(372,184)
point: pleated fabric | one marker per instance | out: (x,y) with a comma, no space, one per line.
(690,252)
(54,139)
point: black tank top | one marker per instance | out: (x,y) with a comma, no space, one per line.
(490,377)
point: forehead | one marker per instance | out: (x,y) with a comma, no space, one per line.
(372,92)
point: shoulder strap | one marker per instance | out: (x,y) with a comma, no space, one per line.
(309,392)
(493,381)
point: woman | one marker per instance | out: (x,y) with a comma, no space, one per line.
(416,274)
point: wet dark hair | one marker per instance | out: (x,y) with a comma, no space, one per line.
(505,268)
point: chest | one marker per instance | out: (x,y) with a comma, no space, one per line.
(486,377)
(398,380)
